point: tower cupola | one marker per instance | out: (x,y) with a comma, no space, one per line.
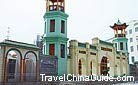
(119,29)
(120,39)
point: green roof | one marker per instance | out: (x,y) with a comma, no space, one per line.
(19,44)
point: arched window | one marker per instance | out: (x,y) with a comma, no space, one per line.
(91,67)
(30,67)
(104,68)
(80,67)
(13,65)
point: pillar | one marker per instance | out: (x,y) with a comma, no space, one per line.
(5,68)
(22,70)
(36,70)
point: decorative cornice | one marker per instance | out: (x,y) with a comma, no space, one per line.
(52,14)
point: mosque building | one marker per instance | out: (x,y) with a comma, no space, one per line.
(99,58)
(23,62)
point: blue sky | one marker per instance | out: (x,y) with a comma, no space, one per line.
(87,18)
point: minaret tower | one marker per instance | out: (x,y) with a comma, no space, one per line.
(55,33)
(120,39)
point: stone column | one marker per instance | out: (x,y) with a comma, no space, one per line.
(87,57)
(99,69)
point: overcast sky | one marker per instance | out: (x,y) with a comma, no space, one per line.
(87,18)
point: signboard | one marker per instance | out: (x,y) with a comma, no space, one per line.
(49,66)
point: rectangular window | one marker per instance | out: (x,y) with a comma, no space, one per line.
(82,52)
(131,39)
(62,51)
(137,47)
(136,24)
(136,29)
(130,31)
(51,49)
(52,25)
(133,59)
(137,38)
(116,45)
(62,26)
(121,45)
(131,48)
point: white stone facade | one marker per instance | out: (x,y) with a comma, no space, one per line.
(132,35)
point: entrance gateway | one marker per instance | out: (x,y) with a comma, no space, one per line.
(19,62)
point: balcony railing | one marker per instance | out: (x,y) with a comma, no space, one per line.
(54,8)
(120,35)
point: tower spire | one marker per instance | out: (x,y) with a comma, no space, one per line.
(8,33)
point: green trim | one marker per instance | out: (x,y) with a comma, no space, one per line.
(118,52)
(105,43)
(52,14)
(49,56)
(93,47)
(82,45)
(18,44)
(56,39)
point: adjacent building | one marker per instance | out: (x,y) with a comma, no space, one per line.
(132,35)
(19,62)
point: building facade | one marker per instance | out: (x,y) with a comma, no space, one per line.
(19,62)
(55,34)
(98,58)
(132,35)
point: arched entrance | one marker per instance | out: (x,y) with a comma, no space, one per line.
(105,66)
(13,64)
(30,70)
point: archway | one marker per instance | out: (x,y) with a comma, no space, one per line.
(13,61)
(30,66)
(105,66)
